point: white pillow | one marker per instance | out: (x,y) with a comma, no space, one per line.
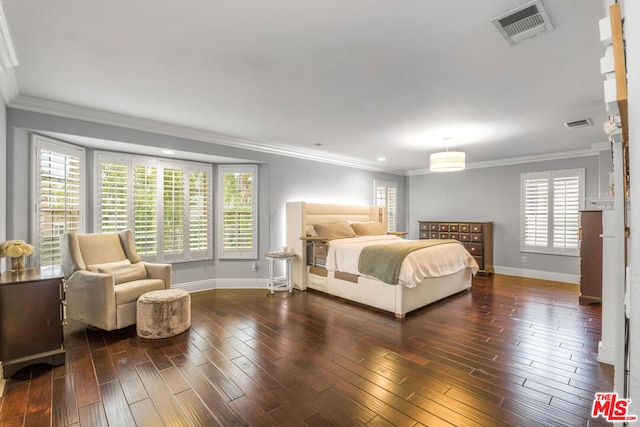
(94,267)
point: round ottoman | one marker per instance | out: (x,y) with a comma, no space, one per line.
(163,314)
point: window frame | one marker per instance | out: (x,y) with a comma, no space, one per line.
(132,161)
(392,214)
(237,254)
(550,176)
(39,143)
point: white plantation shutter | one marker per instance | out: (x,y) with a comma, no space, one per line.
(551,211)
(536,211)
(59,194)
(198,211)
(566,212)
(174,211)
(386,194)
(238,225)
(113,195)
(145,210)
(141,193)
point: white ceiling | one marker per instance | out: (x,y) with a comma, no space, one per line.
(363,78)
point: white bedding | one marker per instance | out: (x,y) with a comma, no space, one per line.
(434,261)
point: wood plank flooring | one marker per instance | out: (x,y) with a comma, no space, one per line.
(510,351)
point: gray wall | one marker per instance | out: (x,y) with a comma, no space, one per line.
(281,179)
(493,194)
(3,174)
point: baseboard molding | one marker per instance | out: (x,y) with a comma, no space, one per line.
(222,283)
(538,274)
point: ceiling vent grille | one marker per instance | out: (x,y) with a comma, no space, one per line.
(523,23)
(578,123)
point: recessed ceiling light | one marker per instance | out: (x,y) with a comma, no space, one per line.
(382,159)
(168,152)
(318,144)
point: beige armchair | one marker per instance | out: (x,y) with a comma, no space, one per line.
(105,276)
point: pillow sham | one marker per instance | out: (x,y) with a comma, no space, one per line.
(337,230)
(126,273)
(369,228)
(311,231)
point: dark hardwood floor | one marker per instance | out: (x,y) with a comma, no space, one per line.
(511,351)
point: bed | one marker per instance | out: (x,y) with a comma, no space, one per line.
(408,294)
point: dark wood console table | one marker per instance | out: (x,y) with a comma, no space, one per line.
(31,316)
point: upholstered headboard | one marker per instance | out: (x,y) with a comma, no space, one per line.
(301,214)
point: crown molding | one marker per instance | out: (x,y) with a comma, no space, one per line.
(8,85)
(585,152)
(120,120)
(8,57)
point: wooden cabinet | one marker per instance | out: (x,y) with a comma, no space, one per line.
(590,257)
(31,315)
(477,238)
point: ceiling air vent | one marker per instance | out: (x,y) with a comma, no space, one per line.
(523,23)
(578,123)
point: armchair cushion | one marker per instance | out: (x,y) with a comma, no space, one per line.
(130,291)
(125,273)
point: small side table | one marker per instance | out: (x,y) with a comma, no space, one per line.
(31,318)
(280,284)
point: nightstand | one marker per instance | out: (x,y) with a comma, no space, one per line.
(31,316)
(285,284)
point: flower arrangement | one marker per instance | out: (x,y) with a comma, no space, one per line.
(15,248)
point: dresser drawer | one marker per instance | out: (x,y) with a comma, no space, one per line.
(434,226)
(434,235)
(465,237)
(464,228)
(480,261)
(454,228)
(424,226)
(476,237)
(319,249)
(474,248)
(443,227)
(476,228)
(424,234)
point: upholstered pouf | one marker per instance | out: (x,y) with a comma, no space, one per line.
(163,314)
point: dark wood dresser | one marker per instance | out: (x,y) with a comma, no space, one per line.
(31,316)
(477,238)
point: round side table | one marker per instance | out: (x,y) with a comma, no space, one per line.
(285,284)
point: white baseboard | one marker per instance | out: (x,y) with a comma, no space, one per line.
(538,274)
(222,283)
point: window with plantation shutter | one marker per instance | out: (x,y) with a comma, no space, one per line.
(551,204)
(386,194)
(167,205)
(238,235)
(59,201)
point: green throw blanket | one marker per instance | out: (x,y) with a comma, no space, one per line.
(383,261)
